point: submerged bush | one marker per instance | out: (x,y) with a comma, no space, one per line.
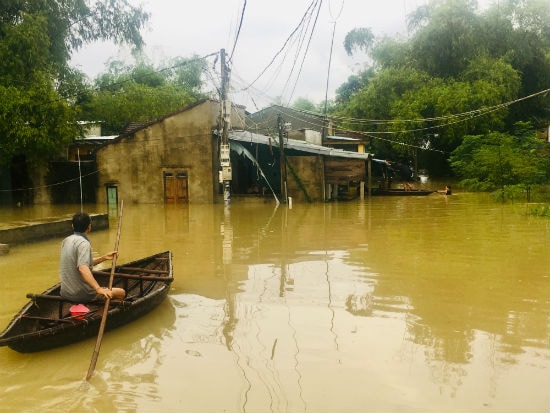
(540,210)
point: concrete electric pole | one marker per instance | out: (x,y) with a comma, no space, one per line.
(225,119)
(282,160)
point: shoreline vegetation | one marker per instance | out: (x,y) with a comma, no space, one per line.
(536,197)
(539,210)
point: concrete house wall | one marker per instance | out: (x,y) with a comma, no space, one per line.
(179,142)
(309,170)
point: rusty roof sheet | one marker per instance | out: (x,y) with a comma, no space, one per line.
(246,136)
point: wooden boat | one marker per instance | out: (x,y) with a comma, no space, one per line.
(46,321)
(402,192)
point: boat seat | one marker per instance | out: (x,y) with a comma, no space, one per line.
(61,301)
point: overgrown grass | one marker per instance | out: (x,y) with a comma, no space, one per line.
(539,210)
(522,193)
(537,197)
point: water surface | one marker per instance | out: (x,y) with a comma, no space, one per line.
(394,304)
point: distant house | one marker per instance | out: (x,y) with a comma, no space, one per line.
(83,149)
(309,171)
(344,168)
(302,125)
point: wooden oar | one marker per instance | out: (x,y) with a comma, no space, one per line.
(107,301)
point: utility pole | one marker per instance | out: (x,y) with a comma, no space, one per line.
(282,160)
(225,120)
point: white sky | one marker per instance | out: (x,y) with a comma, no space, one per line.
(200,27)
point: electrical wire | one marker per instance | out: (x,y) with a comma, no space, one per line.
(331,47)
(288,113)
(289,38)
(238,32)
(302,29)
(305,52)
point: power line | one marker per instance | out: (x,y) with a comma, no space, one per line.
(458,118)
(305,52)
(289,38)
(238,31)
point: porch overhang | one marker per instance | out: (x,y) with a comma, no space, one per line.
(246,136)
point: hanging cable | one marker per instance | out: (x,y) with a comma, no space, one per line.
(328,71)
(331,48)
(238,32)
(289,38)
(305,52)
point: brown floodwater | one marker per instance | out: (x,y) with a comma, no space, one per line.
(393,304)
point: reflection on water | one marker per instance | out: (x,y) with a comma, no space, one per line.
(406,304)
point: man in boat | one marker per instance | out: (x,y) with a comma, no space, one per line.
(77,282)
(406,174)
(446,191)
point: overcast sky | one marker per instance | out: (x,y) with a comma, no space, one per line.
(200,27)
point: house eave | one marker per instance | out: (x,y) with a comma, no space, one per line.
(246,136)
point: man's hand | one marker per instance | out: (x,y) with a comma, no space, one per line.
(104,291)
(110,255)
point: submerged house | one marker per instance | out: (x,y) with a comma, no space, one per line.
(306,172)
(173,159)
(338,157)
(176,159)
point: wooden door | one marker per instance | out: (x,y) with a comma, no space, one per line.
(182,195)
(169,188)
(176,187)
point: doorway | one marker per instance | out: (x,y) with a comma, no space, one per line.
(112,199)
(176,187)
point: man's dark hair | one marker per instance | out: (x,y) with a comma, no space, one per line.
(81,220)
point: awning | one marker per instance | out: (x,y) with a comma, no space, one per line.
(246,136)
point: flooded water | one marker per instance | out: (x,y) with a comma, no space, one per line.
(395,304)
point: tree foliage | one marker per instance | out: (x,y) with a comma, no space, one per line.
(497,159)
(37,85)
(29,118)
(304,104)
(457,74)
(359,38)
(446,41)
(142,92)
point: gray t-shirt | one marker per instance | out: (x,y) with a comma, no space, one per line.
(75,250)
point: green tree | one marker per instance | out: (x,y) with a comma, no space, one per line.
(187,73)
(457,74)
(376,102)
(499,160)
(391,53)
(519,30)
(32,120)
(304,104)
(456,107)
(141,92)
(444,36)
(37,85)
(359,38)
(354,84)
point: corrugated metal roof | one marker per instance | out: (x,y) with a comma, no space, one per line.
(98,138)
(245,136)
(342,138)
